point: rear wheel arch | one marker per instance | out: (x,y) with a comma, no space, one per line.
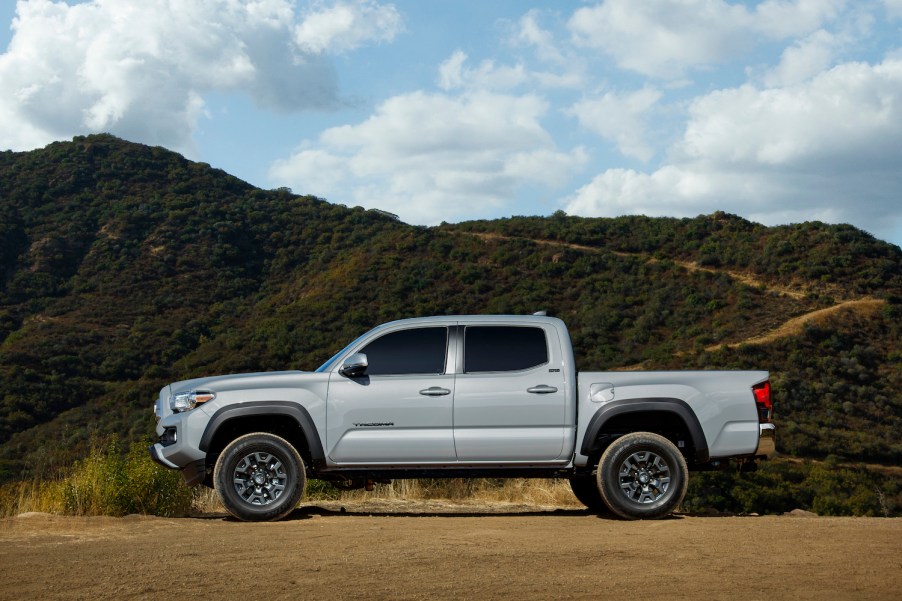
(673,419)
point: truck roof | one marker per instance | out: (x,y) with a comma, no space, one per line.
(495,319)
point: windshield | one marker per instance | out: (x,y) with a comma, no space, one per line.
(328,364)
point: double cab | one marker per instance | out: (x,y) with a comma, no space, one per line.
(462,396)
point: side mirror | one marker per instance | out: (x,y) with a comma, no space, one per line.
(354,366)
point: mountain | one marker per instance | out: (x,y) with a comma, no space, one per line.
(124,267)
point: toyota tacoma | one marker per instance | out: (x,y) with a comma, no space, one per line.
(462,396)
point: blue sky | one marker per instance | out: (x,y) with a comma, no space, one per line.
(780,111)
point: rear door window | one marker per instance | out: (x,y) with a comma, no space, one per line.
(503,348)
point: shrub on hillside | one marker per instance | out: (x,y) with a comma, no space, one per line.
(827,488)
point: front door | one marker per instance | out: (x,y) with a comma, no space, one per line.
(401,411)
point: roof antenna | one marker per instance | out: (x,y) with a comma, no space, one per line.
(541,313)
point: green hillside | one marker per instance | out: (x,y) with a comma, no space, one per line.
(124,267)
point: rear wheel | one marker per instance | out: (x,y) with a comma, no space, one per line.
(259,477)
(642,476)
(585,488)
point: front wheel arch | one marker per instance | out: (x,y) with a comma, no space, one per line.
(289,420)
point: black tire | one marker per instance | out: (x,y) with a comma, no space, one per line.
(259,477)
(642,476)
(585,489)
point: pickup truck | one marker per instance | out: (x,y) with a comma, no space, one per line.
(461,396)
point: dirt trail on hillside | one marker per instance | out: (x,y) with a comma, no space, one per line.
(864,305)
(746,278)
(433,551)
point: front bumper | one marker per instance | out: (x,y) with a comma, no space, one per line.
(193,473)
(179,436)
(767,441)
(155,454)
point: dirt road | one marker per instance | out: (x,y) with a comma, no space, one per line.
(434,551)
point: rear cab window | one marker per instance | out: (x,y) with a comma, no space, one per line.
(504,348)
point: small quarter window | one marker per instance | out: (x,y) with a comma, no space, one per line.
(503,348)
(415,351)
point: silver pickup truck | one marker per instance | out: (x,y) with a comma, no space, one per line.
(461,396)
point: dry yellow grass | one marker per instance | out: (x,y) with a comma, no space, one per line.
(521,491)
(106,482)
(527,491)
(23,497)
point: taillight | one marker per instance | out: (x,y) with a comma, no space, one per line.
(762,400)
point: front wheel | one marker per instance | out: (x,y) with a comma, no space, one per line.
(642,476)
(259,477)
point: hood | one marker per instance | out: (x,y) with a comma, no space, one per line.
(265,379)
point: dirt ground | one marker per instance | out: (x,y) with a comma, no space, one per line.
(429,550)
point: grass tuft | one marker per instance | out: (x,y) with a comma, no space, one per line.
(106,482)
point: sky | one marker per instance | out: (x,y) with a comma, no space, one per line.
(780,111)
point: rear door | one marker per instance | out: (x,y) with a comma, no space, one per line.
(510,395)
(401,411)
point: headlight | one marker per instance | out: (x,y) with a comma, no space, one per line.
(186,401)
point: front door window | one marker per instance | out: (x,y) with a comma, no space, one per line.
(415,351)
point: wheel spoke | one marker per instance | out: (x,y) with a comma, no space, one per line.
(260,478)
(644,477)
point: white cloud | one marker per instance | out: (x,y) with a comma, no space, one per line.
(621,119)
(433,157)
(846,117)
(893,8)
(487,76)
(455,74)
(827,148)
(804,59)
(141,69)
(530,33)
(663,38)
(562,66)
(780,19)
(450,72)
(345,26)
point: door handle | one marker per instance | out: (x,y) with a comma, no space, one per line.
(435,391)
(542,389)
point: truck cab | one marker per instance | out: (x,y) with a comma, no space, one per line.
(489,390)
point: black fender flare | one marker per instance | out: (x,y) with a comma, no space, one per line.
(677,407)
(259,408)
